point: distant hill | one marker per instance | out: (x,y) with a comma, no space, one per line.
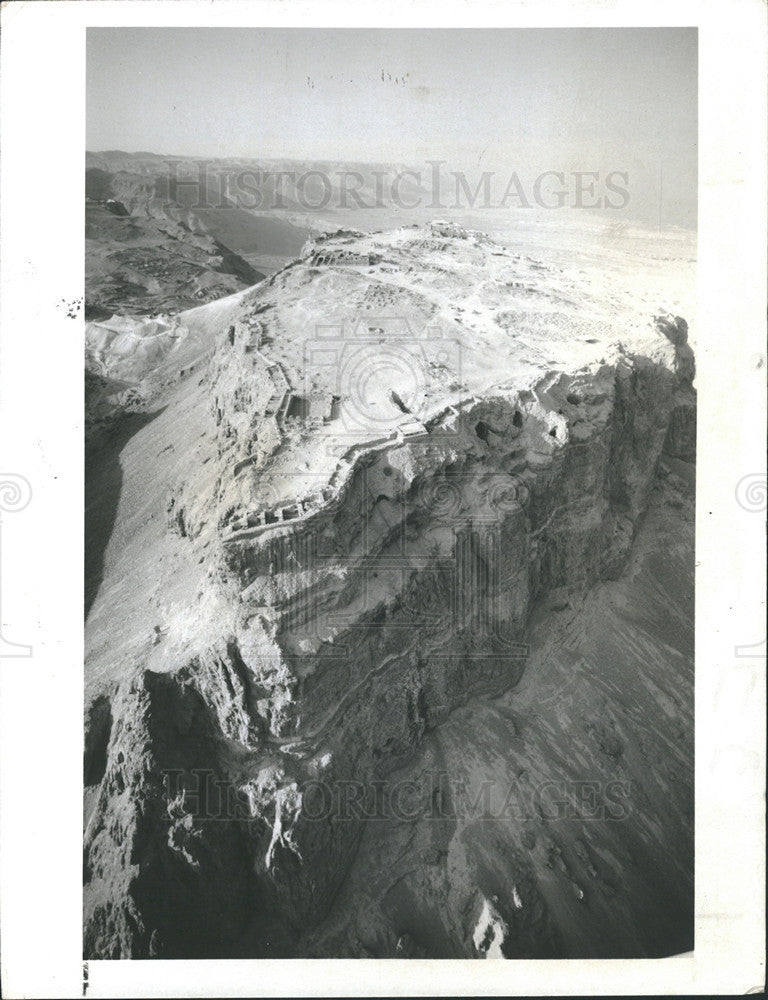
(168,188)
(144,265)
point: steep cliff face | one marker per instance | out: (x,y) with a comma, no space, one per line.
(555,820)
(339,589)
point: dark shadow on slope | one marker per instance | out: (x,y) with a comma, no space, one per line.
(98,729)
(103,483)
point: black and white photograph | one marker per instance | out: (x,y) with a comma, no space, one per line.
(394,554)
(390,469)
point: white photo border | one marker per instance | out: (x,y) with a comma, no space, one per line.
(42,88)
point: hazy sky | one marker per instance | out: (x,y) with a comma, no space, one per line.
(527,100)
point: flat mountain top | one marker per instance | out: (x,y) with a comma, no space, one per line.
(258,400)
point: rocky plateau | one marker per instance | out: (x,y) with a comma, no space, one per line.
(389,609)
